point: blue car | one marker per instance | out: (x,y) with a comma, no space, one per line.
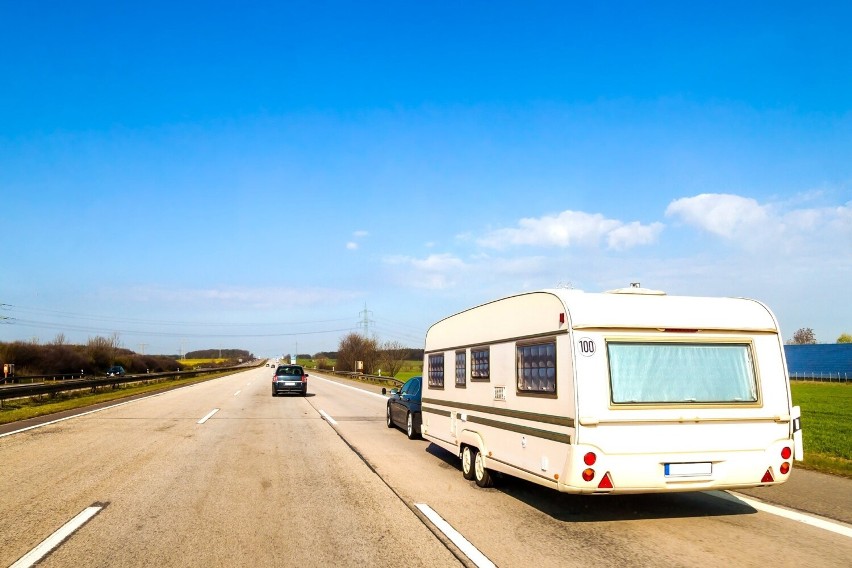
(404,407)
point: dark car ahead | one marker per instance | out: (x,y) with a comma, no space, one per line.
(290,378)
(404,407)
(116,370)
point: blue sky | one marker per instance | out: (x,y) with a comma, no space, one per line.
(254,175)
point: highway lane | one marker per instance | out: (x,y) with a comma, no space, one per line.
(264,482)
(522,524)
(267,482)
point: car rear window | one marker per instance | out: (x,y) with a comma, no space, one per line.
(290,371)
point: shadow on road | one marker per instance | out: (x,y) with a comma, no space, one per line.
(606,508)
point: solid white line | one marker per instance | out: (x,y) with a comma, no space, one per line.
(68,418)
(36,554)
(141,398)
(238,392)
(209,414)
(813,520)
(328,418)
(455,536)
(381,396)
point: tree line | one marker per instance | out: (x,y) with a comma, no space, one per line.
(389,356)
(806,336)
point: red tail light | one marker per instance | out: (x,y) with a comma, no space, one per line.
(588,474)
(767,477)
(606,482)
(590,458)
(785,468)
(304,378)
(786,453)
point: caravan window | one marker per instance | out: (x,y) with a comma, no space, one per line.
(479,364)
(436,371)
(681,373)
(461,368)
(537,368)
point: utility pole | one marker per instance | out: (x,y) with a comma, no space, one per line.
(142,347)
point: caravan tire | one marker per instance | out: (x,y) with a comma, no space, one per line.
(481,475)
(467,457)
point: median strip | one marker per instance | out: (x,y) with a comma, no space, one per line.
(209,415)
(473,553)
(35,556)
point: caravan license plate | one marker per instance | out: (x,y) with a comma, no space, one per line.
(688,469)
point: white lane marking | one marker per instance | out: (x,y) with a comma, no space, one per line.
(99,409)
(70,417)
(808,519)
(209,415)
(36,554)
(238,392)
(328,418)
(381,396)
(461,542)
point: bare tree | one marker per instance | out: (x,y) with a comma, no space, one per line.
(392,356)
(355,347)
(803,336)
(59,339)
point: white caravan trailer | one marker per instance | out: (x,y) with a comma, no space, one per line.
(628,391)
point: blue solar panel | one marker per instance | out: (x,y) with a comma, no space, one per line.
(819,358)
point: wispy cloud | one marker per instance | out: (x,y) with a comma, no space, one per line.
(351,245)
(234,296)
(746,222)
(573,228)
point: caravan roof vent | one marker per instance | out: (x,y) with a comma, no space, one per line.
(636,288)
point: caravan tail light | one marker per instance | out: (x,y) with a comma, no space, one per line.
(767,477)
(785,468)
(588,474)
(606,482)
(786,453)
(590,458)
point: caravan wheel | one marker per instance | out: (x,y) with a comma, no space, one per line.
(481,475)
(467,458)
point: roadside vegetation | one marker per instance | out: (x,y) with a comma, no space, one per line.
(32,407)
(826,426)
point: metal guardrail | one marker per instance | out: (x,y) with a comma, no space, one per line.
(8,392)
(821,377)
(361,376)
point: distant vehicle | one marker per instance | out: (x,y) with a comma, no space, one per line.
(630,391)
(116,370)
(290,378)
(404,407)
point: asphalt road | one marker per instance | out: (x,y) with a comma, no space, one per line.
(270,482)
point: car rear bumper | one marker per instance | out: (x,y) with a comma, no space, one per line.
(283,387)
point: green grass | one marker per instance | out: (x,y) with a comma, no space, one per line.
(826,426)
(24,408)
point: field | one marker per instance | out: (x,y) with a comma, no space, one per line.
(826,425)
(193,363)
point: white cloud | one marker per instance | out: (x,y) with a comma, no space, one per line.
(571,228)
(435,272)
(729,216)
(234,296)
(360,234)
(753,225)
(633,234)
(352,245)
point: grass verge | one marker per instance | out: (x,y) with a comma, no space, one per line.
(826,426)
(32,407)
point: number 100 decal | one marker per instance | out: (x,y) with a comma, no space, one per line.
(587,347)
